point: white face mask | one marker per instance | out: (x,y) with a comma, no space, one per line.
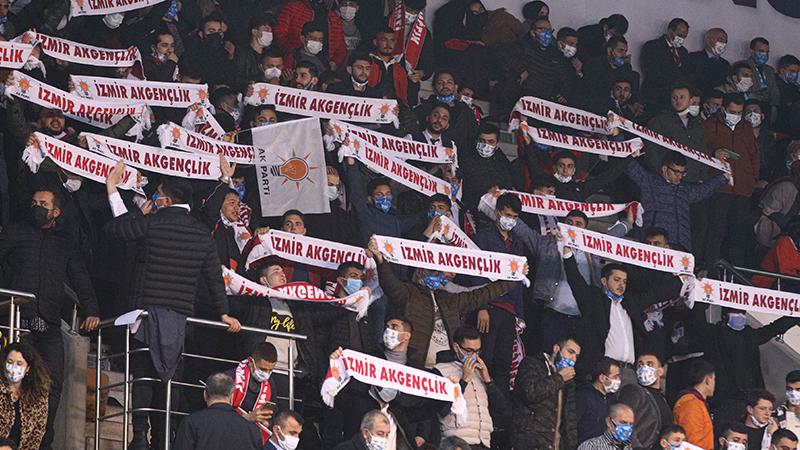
(562,178)
(735,446)
(757,423)
(612,386)
(410,18)
(14,373)
(73,184)
(261,375)
(313,47)
(754,118)
(265,39)
(694,110)
(485,150)
(719,48)
(272,72)
(467,100)
(333,192)
(646,375)
(569,51)
(348,13)
(732,119)
(678,41)
(744,84)
(793,397)
(288,442)
(32,63)
(113,20)
(377,442)
(506,223)
(391,338)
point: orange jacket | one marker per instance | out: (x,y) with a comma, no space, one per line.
(691,412)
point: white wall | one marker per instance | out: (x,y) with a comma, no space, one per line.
(649,18)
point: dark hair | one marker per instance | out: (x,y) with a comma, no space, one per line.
(311,27)
(788,60)
(670,429)
(441,72)
(8,443)
(358,56)
(160,31)
(733,97)
(654,355)
(758,40)
(384,30)
(293,212)
(673,158)
(191,67)
(178,189)
(579,214)
(268,262)
(342,269)
(793,376)
(680,85)
(755,395)
(407,325)
(489,128)
(564,154)
(733,427)
(714,93)
(616,40)
(695,92)
(509,200)
(656,231)
(312,68)
(541,181)
(465,332)
(453,443)
(611,267)
(440,198)
(283,416)
(264,351)
(531,10)
(603,367)
(740,65)
(221,93)
(57,200)
(698,370)
(676,22)
(563,341)
(36,382)
(617,22)
(377,181)
(417,5)
(566,32)
(260,20)
(753,101)
(441,106)
(782,433)
(272,52)
(210,18)
(219,385)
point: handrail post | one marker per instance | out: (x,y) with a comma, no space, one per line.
(291,374)
(12,320)
(127,388)
(97,391)
(167,408)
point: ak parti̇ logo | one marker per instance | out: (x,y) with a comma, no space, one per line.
(295,169)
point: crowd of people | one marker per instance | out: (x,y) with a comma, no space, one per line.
(592,354)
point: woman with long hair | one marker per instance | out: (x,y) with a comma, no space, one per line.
(24,387)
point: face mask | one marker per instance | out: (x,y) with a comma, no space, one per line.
(348,13)
(272,72)
(235,114)
(736,321)
(732,119)
(446,99)
(646,375)
(792,77)
(265,39)
(754,118)
(261,375)
(618,61)
(463,358)
(434,282)
(432,214)
(562,178)
(485,150)
(744,84)
(757,423)
(288,442)
(113,20)
(613,386)
(41,215)
(735,446)
(678,41)
(32,63)
(159,56)
(391,338)
(622,432)
(613,296)
(333,192)
(73,184)
(506,223)
(172,11)
(265,123)
(563,363)
(675,446)
(761,58)
(719,48)
(712,110)
(694,110)
(454,188)
(240,189)
(544,38)
(213,40)
(410,18)
(793,397)
(377,442)
(467,100)
(313,47)
(352,285)
(383,203)
(14,373)
(569,51)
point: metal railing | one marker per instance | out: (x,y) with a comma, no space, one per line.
(738,273)
(128,381)
(15,300)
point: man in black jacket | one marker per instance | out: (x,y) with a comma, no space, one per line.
(647,401)
(663,63)
(564,168)
(463,126)
(613,64)
(706,68)
(40,257)
(219,425)
(592,38)
(174,251)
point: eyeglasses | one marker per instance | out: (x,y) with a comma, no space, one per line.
(680,173)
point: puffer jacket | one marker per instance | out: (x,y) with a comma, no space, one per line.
(535,405)
(33,412)
(174,249)
(291,20)
(415,302)
(479,426)
(667,205)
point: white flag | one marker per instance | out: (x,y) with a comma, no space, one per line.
(290,167)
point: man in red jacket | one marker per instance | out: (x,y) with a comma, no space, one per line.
(728,214)
(296,13)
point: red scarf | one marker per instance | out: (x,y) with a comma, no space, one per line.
(240,383)
(399,76)
(413,48)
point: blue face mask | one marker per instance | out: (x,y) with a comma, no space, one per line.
(613,296)
(622,431)
(434,282)
(791,77)
(737,322)
(466,356)
(542,147)
(454,188)
(761,58)
(446,99)
(432,214)
(712,110)
(545,38)
(383,203)
(563,363)
(263,124)
(352,285)
(172,11)
(240,189)
(155,201)
(617,61)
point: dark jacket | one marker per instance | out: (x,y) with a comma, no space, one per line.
(212,60)
(41,262)
(218,426)
(668,123)
(600,76)
(337,225)
(651,410)
(463,129)
(246,63)
(592,409)
(174,250)
(789,109)
(157,70)
(535,405)
(707,72)
(591,42)
(548,70)
(667,205)
(413,301)
(742,141)
(356,443)
(661,71)
(480,174)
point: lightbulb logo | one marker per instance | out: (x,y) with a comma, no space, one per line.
(84,88)
(294,169)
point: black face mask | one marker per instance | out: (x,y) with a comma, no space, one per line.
(213,40)
(40,216)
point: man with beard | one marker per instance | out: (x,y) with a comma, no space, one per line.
(359,67)
(213,54)
(463,128)
(388,72)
